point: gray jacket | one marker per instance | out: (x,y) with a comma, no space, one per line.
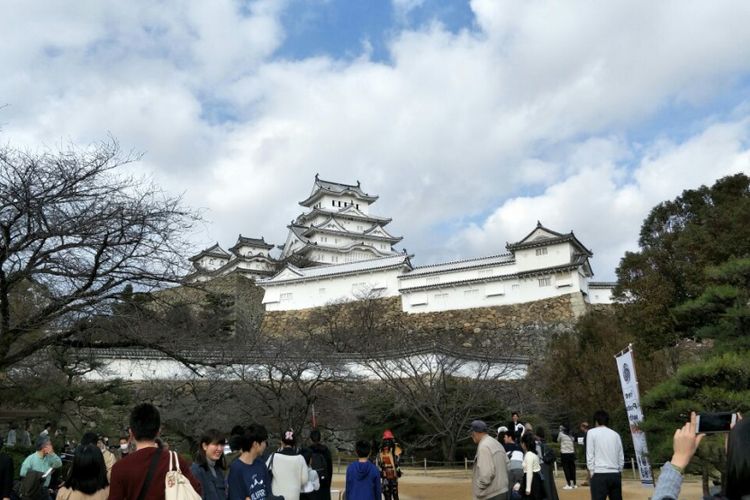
(490,474)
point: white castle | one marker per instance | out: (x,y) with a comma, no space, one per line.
(338,251)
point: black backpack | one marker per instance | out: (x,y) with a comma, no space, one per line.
(548,454)
(31,486)
(319,465)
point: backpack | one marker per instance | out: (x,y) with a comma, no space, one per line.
(31,486)
(319,465)
(176,485)
(548,454)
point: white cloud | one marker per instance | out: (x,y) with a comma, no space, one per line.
(481,132)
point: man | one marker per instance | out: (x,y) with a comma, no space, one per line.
(129,474)
(362,477)
(604,459)
(517,429)
(514,453)
(42,460)
(248,475)
(321,451)
(490,473)
(124,448)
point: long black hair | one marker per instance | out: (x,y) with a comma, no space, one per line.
(88,473)
(529,441)
(211,436)
(737,475)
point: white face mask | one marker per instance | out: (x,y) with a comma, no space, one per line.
(124,447)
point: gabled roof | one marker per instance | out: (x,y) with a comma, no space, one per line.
(348,212)
(243,241)
(542,236)
(357,245)
(341,230)
(321,187)
(318,272)
(214,251)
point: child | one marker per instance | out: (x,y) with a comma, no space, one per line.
(362,477)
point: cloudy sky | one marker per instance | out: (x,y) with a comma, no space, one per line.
(471,120)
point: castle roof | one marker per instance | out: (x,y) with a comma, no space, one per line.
(321,187)
(214,251)
(541,236)
(244,241)
(349,212)
(493,260)
(294,273)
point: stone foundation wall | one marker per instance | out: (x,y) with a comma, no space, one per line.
(531,321)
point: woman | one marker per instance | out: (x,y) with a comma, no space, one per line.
(87,478)
(568,457)
(531,486)
(209,467)
(737,473)
(288,468)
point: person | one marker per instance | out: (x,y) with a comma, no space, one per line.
(24,438)
(362,476)
(568,457)
(124,449)
(209,466)
(531,485)
(736,485)
(322,462)
(42,460)
(387,460)
(516,427)
(10,442)
(313,481)
(583,431)
(98,441)
(6,474)
(47,429)
(129,474)
(87,477)
(288,469)
(490,472)
(547,463)
(604,459)
(248,476)
(515,456)
(234,444)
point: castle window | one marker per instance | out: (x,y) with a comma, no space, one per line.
(333,203)
(541,251)
(471,291)
(286,296)
(546,281)
(441,296)
(357,206)
(515,287)
(339,203)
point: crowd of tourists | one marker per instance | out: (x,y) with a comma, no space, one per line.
(517,464)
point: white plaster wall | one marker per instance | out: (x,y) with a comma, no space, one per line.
(490,293)
(325,290)
(601,296)
(557,255)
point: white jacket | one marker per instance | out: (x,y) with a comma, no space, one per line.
(289,475)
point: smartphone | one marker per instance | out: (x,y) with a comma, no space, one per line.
(712,423)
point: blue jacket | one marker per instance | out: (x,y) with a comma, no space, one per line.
(363,481)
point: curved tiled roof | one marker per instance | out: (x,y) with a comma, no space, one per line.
(343,269)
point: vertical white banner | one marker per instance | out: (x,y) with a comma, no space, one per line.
(629,382)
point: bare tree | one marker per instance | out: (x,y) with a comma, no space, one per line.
(446,386)
(73,234)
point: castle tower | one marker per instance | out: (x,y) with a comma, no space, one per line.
(337,227)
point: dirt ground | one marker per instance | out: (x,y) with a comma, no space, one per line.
(416,486)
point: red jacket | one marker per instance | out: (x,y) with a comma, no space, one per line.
(129,474)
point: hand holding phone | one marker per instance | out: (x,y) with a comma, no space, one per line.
(685,442)
(714,423)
